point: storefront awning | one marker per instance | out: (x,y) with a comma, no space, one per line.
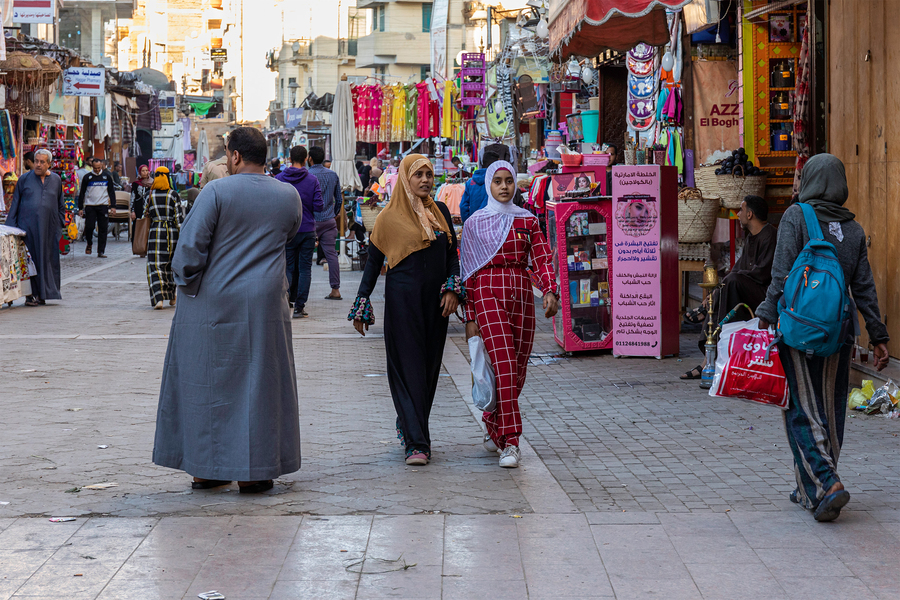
(588,27)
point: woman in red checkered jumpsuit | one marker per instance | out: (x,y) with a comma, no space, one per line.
(499,242)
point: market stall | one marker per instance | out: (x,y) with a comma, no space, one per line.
(16,266)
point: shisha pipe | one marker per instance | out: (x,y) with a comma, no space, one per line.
(709,371)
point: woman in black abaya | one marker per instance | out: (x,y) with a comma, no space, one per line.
(422,289)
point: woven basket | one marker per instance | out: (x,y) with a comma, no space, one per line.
(734,188)
(705,179)
(696,219)
(369,214)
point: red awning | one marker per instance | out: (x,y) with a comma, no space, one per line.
(588,27)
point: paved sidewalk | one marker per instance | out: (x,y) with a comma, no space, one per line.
(634,484)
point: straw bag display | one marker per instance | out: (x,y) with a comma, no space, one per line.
(734,188)
(369,214)
(705,179)
(696,216)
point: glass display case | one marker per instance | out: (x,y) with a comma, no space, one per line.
(579,233)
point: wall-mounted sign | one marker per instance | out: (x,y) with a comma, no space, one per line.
(84,81)
(33,11)
(218,54)
(167,115)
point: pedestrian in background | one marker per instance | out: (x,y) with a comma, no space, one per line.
(365,175)
(162,208)
(814,419)
(326,219)
(275,169)
(38,209)
(422,289)
(474,196)
(214,169)
(96,202)
(28,161)
(140,194)
(228,405)
(300,248)
(502,241)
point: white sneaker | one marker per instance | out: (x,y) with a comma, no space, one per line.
(489,444)
(510,457)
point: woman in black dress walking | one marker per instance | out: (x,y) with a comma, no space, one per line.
(422,289)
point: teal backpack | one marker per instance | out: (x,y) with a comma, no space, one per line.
(814,310)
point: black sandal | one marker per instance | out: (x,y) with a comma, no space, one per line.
(32,301)
(208,484)
(257,488)
(688,375)
(696,316)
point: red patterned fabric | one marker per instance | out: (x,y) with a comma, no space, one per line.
(588,27)
(801,109)
(501,302)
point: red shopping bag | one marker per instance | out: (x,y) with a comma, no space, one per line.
(742,370)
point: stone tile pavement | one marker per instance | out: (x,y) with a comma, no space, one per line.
(634,484)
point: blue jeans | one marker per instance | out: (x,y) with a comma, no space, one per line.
(299,255)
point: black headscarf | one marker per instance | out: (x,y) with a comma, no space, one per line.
(823,185)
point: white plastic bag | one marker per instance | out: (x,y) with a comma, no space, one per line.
(79,222)
(484,393)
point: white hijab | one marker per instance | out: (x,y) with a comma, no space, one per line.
(487,229)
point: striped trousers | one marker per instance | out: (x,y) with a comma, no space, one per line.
(814,420)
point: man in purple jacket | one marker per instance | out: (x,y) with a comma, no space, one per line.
(299,251)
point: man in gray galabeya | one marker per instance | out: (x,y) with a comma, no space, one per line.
(38,208)
(228,406)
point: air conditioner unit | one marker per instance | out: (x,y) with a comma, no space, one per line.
(701,14)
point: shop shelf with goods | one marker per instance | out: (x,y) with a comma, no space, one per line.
(771,47)
(579,232)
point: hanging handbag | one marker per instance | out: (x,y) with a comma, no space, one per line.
(141,237)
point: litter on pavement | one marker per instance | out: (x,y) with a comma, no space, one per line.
(884,401)
(211,595)
(61,519)
(100,486)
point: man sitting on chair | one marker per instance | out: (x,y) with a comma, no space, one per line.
(749,279)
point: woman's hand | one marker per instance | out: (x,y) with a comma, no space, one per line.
(133,216)
(472,330)
(551,304)
(449,302)
(361,327)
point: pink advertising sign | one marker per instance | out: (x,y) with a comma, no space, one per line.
(636,263)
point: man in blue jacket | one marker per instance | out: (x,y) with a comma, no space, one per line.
(299,250)
(475,195)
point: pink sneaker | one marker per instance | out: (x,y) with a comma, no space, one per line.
(417,458)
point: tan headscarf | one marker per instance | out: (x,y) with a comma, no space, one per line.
(407,224)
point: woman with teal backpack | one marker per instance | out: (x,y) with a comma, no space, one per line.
(817,375)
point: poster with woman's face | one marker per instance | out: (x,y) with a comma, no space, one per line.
(580,182)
